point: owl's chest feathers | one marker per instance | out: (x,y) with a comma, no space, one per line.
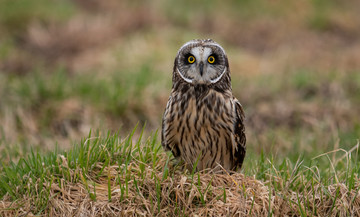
(202,117)
(201,125)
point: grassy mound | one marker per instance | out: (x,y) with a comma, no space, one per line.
(111,176)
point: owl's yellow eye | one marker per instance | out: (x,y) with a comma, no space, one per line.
(191,59)
(211,59)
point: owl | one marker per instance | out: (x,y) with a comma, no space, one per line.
(203,123)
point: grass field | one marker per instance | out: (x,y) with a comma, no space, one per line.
(76,77)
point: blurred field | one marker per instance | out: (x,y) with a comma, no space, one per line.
(70,66)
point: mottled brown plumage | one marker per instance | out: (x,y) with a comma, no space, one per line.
(203,121)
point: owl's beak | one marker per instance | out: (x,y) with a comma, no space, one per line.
(201,66)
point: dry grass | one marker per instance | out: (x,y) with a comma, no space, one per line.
(147,183)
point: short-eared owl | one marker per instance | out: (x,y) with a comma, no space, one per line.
(203,122)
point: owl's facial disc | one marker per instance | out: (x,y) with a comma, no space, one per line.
(200,63)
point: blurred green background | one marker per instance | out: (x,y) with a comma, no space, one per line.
(70,66)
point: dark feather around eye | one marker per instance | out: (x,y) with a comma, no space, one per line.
(216,58)
(186,57)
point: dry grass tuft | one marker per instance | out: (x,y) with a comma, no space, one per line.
(150,191)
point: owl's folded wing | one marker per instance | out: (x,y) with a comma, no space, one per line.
(239,131)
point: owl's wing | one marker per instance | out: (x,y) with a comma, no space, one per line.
(164,125)
(239,132)
(167,117)
(167,132)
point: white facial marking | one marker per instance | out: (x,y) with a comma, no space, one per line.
(213,81)
(186,79)
(201,53)
(186,44)
(217,45)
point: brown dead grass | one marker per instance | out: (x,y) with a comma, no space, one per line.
(180,195)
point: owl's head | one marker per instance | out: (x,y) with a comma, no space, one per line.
(201,62)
